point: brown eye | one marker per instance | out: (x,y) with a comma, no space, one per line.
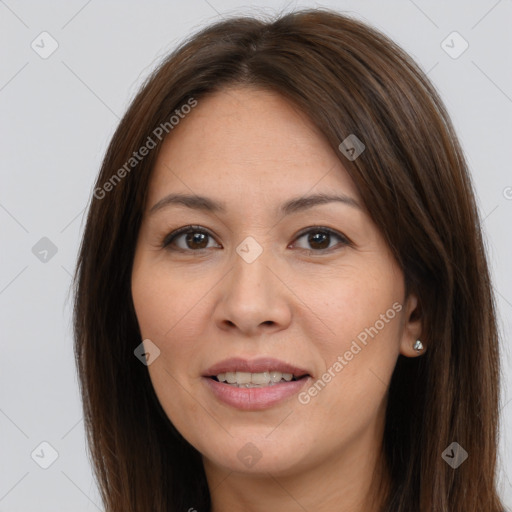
(192,238)
(319,239)
(196,240)
(189,238)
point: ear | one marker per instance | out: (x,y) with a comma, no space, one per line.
(412,328)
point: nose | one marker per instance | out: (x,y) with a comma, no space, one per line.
(253,298)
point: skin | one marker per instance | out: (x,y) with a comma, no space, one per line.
(302,300)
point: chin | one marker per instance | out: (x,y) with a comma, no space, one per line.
(256,455)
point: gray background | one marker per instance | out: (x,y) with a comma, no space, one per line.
(57,116)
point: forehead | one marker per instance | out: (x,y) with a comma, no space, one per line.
(247,144)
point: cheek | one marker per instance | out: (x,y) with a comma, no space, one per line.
(358,303)
(361,342)
(170,310)
(166,316)
(165,301)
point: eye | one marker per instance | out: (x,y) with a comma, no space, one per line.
(193,238)
(319,238)
(196,238)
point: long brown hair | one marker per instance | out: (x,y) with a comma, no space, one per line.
(413,178)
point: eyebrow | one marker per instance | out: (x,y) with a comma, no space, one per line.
(293,205)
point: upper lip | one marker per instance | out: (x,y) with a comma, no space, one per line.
(258,365)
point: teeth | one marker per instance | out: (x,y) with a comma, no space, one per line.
(260,378)
(276,376)
(249,380)
(243,377)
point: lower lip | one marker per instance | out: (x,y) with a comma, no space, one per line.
(253,399)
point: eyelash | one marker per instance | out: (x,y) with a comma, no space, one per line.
(170,238)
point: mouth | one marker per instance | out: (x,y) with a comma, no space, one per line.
(254,385)
(256,380)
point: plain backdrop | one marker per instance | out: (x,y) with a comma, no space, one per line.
(58,112)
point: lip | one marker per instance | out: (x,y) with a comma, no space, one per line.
(253,399)
(258,365)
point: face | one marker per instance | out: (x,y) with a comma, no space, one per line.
(261,281)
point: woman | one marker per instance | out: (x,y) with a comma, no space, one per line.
(283,300)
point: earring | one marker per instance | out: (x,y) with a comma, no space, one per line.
(418,346)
